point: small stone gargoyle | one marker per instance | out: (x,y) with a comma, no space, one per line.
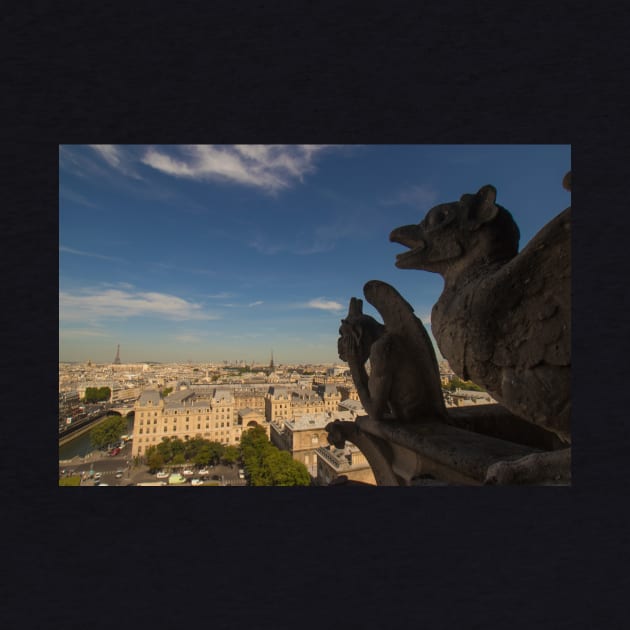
(503,319)
(404,380)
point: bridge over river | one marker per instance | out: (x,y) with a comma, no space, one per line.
(85,425)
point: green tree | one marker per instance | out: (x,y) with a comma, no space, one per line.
(230,455)
(97,394)
(155,459)
(166,391)
(269,466)
(108,431)
(203,455)
(457,383)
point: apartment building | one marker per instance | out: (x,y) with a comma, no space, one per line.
(212,416)
(278,405)
(349,462)
(302,437)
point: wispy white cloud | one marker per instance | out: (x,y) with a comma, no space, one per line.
(269,167)
(71,195)
(118,285)
(322,304)
(189,338)
(116,158)
(417,196)
(90,305)
(220,296)
(243,305)
(69,250)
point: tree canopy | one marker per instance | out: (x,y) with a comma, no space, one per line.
(267,465)
(108,431)
(175,451)
(97,394)
(457,383)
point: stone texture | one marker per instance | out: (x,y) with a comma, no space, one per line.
(503,319)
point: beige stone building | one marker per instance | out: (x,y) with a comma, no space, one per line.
(277,405)
(349,462)
(302,437)
(213,416)
(331,397)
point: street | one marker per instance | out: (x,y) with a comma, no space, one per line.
(99,462)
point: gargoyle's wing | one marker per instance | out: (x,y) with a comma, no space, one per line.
(530,299)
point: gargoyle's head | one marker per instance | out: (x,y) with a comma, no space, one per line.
(357,333)
(474,228)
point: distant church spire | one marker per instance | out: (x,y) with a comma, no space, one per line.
(271,362)
(117,359)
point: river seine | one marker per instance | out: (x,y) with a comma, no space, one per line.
(81,445)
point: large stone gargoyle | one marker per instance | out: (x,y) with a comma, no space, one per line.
(503,319)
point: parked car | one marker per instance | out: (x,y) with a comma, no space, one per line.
(114,451)
(119,474)
(97,476)
(162,474)
(187,471)
(196,482)
(204,471)
(241,474)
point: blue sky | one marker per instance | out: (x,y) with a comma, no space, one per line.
(216,252)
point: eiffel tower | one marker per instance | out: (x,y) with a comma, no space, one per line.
(117,359)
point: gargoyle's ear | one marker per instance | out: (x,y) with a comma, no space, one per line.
(483,208)
(356,307)
(566,182)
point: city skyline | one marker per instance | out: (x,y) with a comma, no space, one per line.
(210,253)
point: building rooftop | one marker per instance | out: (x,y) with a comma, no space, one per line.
(308,421)
(151,396)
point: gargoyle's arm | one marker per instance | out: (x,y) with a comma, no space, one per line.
(360,378)
(381,373)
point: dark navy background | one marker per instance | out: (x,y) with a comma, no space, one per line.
(342,72)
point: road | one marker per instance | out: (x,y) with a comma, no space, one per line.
(132,475)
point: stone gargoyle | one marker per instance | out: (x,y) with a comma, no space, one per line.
(408,435)
(404,379)
(503,319)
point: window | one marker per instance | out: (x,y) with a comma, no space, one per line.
(140,431)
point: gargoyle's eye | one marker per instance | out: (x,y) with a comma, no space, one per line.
(435,218)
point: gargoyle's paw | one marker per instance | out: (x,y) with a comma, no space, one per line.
(335,435)
(499,474)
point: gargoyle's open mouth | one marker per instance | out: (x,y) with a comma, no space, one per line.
(412,252)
